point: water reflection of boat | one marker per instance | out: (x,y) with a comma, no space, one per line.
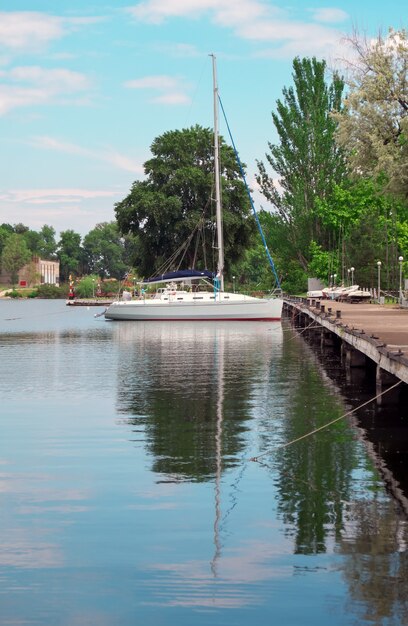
(171,302)
(191,388)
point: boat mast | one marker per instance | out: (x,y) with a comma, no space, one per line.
(220,241)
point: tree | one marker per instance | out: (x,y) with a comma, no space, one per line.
(367,225)
(5,231)
(373,127)
(42,243)
(307,163)
(104,251)
(173,204)
(69,253)
(33,241)
(48,245)
(20,228)
(15,255)
(254,269)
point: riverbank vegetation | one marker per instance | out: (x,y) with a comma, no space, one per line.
(336,180)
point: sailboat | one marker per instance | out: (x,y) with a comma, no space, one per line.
(179,296)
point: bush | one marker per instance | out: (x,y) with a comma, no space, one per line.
(87,287)
(49,292)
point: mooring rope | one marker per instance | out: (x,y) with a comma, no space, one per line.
(311,325)
(316,430)
(12,319)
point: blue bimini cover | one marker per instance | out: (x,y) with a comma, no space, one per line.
(180,275)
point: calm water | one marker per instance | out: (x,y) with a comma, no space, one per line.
(128,495)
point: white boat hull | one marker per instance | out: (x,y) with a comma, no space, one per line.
(253,309)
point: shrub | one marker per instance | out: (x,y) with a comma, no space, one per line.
(49,292)
(87,287)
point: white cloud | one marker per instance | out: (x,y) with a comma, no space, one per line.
(53,196)
(22,30)
(152,82)
(254,20)
(104,155)
(32,85)
(155,11)
(183,50)
(329,15)
(171,90)
(55,80)
(172,98)
(31,30)
(64,207)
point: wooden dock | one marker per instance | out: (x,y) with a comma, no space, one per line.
(361,331)
(89,302)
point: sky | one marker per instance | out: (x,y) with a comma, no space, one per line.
(86,86)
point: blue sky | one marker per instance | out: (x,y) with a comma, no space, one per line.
(86,86)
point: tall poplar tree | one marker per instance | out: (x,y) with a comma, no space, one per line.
(306,162)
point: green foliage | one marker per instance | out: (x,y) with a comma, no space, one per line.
(322,263)
(69,253)
(110,287)
(42,243)
(32,239)
(253,271)
(50,292)
(366,225)
(48,245)
(104,251)
(87,286)
(294,279)
(402,235)
(14,294)
(5,233)
(373,127)
(175,201)
(15,255)
(20,228)
(306,162)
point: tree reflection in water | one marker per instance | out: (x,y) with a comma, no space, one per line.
(209,396)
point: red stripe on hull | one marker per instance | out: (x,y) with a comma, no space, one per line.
(196,319)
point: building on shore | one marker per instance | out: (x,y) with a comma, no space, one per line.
(37,272)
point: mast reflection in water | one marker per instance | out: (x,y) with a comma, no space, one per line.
(128,495)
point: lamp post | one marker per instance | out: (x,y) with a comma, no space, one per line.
(379,280)
(233,284)
(352,275)
(134,286)
(348,277)
(400,260)
(334,279)
(93,288)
